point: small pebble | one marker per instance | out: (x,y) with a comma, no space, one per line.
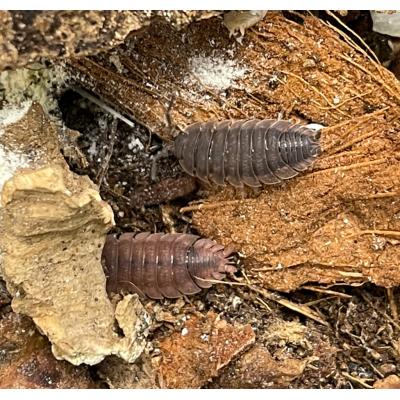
(184,332)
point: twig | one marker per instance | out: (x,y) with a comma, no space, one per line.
(355,64)
(264,303)
(300,308)
(344,154)
(208,206)
(114,193)
(104,106)
(104,168)
(307,84)
(392,303)
(327,291)
(355,140)
(349,167)
(346,101)
(380,195)
(379,373)
(376,232)
(351,274)
(314,302)
(355,34)
(359,119)
(357,380)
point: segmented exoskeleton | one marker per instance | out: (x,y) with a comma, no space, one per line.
(163,265)
(246,152)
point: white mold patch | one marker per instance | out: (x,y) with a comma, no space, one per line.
(216,72)
(12,159)
(12,114)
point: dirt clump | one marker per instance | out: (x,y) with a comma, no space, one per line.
(205,344)
(26,360)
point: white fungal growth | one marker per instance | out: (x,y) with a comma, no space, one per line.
(12,160)
(12,114)
(216,72)
(92,151)
(135,142)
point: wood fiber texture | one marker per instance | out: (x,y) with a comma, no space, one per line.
(337,222)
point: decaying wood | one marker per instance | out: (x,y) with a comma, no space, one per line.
(338,223)
(28,35)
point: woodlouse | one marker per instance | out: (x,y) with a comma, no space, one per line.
(163,264)
(250,152)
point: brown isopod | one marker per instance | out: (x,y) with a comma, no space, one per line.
(250,152)
(163,264)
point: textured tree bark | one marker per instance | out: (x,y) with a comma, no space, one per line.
(27,36)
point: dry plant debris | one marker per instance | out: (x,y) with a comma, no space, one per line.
(205,344)
(257,369)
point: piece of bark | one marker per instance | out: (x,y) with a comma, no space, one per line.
(338,223)
(206,344)
(257,369)
(390,382)
(27,36)
(282,68)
